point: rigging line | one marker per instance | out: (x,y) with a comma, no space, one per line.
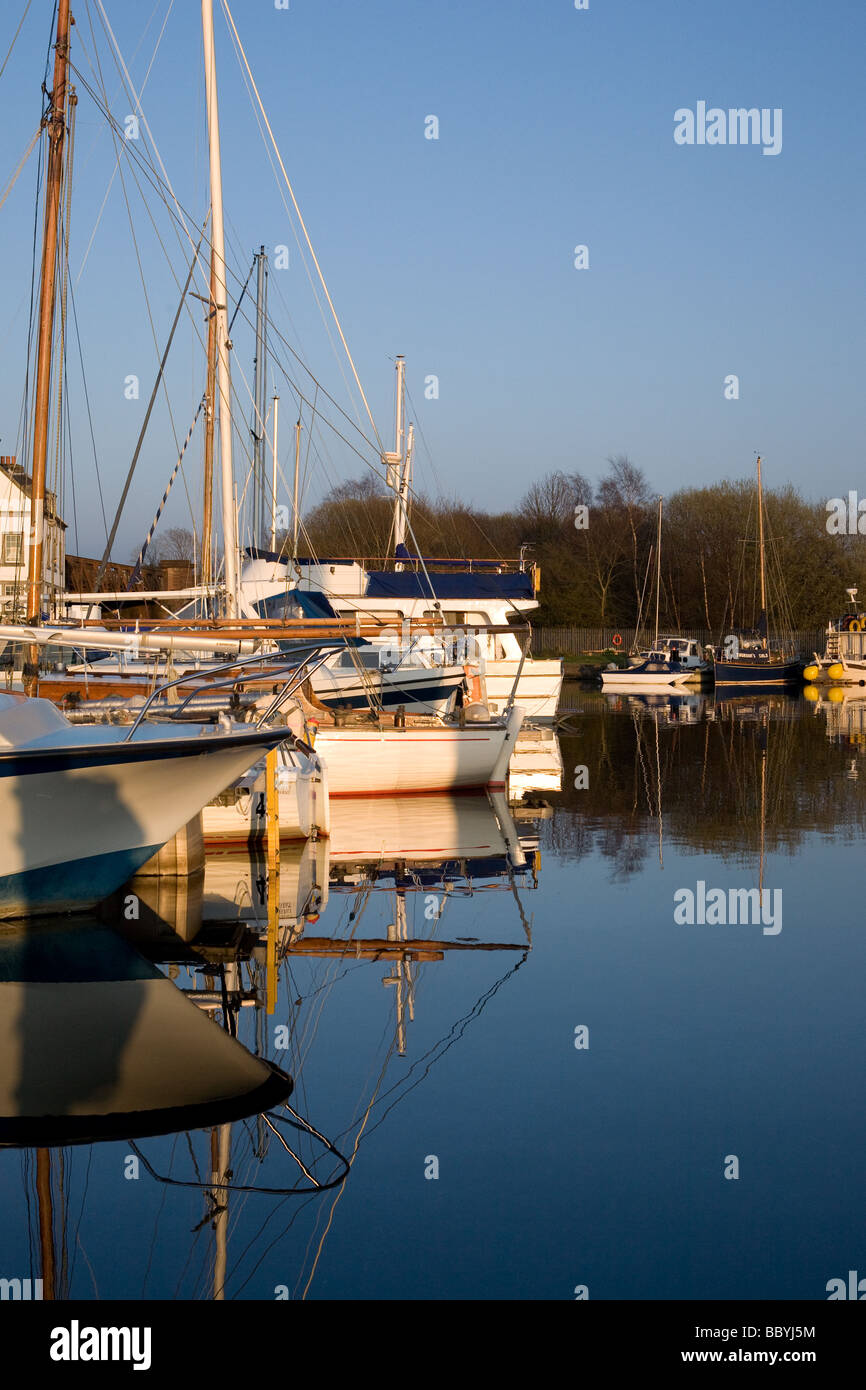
(66,222)
(135,155)
(301,221)
(15,37)
(143,85)
(423,438)
(21,163)
(153,179)
(304,260)
(89,412)
(323,418)
(451,1037)
(71,464)
(156,183)
(24,418)
(144,121)
(133,578)
(146,421)
(138,253)
(274,332)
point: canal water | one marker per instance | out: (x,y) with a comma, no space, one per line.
(609,1045)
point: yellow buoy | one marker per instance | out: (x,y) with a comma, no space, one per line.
(811,692)
(835,695)
(836,671)
(812,672)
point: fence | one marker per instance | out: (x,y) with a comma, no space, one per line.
(583,641)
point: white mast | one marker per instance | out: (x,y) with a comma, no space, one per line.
(230,537)
(274,477)
(394,462)
(296,520)
(401,513)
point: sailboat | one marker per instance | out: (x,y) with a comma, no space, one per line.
(81,808)
(670,662)
(427,756)
(752,661)
(450,594)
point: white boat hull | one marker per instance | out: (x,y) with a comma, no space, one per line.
(538,689)
(376,762)
(77,820)
(239,815)
(423,829)
(536,763)
(621,681)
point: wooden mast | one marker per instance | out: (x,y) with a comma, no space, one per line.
(658,574)
(46,1222)
(55,124)
(761,554)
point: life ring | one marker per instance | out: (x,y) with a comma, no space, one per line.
(856,625)
(617,640)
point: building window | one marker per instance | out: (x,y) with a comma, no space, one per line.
(13,547)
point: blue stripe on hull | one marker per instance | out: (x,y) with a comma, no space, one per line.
(70,887)
(391,697)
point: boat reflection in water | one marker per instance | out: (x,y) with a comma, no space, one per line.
(713,772)
(190,1015)
(144,1062)
(442,847)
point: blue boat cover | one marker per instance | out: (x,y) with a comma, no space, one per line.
(286,603)
(463,586)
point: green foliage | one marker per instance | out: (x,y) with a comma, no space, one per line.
(594,576)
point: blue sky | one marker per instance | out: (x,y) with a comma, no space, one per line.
(555,129)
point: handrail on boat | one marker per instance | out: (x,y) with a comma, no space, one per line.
(301,671)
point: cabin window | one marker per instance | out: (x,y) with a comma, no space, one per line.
(13,547)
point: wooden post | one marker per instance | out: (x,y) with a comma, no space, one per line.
(273,836)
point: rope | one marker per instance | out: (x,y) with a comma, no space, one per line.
(134,577)
(15,36)
(300,221)
(23,160)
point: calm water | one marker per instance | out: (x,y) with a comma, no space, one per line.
(490,1156)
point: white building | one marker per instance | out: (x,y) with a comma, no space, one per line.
(15,489)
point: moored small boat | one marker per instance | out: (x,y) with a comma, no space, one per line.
(83,807)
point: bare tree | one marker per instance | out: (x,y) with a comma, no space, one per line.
(174,544)
(625,489)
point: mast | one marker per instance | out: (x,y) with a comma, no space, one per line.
(393,461)
(401,514)
(658,573)
(260,372)
(761,554)
(274,476)
(210,413)
(46,1221)
(55,124)
(296,519)
(229,518)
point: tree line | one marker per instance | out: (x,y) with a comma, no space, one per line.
(599,571)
